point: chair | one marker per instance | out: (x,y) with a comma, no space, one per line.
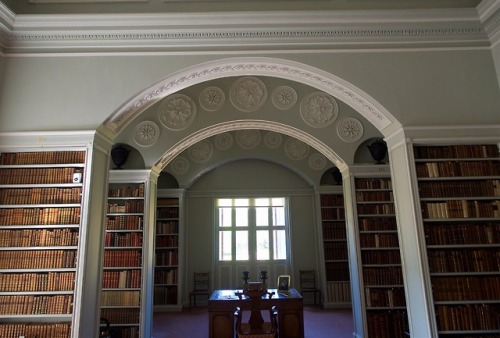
(256,326)
(308,283)
(200,287)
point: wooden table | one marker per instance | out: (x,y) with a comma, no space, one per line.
(222,304)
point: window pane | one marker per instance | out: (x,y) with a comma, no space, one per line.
(278,202)
(262,216)
(262,202)
(241,245)
(278,216)
(224,217)
(279,240)
(225,245)
(224,202)
(262,238)
(241,217)
(241,202)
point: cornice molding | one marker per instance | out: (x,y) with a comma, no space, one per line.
(240,30)
(489,13)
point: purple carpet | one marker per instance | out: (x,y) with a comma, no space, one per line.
(318,323)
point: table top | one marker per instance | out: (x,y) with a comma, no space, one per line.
(231,294)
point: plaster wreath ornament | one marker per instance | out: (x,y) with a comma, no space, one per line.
(296,149)
(146,133)
(248,94)
(248,138)
(273,140)
(223,141)
(350,130)
(201,151)
(177,112)
(179,165)
(317,161)
(212,98)
(319,109)
(284,97)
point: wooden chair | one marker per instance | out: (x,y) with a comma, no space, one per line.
(201,287)
(256,326)
(308,283)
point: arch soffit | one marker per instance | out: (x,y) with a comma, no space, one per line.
(257,66)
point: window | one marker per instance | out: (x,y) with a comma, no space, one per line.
(252,229)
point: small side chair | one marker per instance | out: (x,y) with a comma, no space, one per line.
(308,283)
(201,287)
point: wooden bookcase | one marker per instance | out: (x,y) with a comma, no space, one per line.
(459,187)
(166,262)
(40,205)
(123,281)
(333,225)
(382,286)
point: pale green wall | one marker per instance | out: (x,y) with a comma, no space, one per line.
(244,178)
(496,60)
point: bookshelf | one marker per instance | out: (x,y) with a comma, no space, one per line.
(40,204)
(459,190)
(123,299)
(333,225)
(382,287)
(167,239)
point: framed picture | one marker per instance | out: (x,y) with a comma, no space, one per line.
(283,283)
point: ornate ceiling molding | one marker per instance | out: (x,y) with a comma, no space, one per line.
(260,30)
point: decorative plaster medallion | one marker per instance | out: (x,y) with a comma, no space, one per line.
(179,165)
(212,98)
(296,149)
(177,112)
(223,141)
(350,129)
(248,138)
(319,109)
(317,161)
(273,140)
(146,133)
(201,151)
(284,97)
(248,94)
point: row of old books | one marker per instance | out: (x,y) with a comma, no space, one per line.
(466,317)
(377,224)
(169,258)
(381,257)
(121,315)
(121,279)
(376,209)
(41,259)
(164,228)
(120,298)
(385,240)
(167,241)
(166,276)
(126,207)
(117,239)
(362,196)
(34,238)
(165,295)
(458,169)
(387,275)
(456,260)
(43,281)
(32,305)
(43,216)
(337,271)
(462,233)
(332,213)
(335,250)
(32,176)
(41,195)
(456,151)
(465,288)
(338,292)
(461,209)
(334,231)
(124,222)
(167,212)
(128,191)
(373,183)
(385,324)
(123,258)
(332,200)
(470,188)
(385,297)
(52,330)
(42,157)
